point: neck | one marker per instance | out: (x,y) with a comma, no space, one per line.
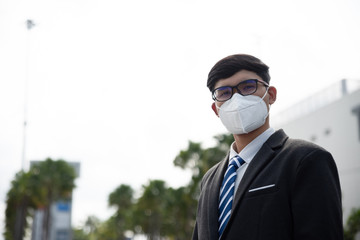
(242,140)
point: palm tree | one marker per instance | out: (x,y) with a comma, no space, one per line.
(150,209)
(19,201)
(122,199)
(180,214)
(200,160)
(54,181)
(91,227)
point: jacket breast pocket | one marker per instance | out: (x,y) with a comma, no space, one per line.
(255,191)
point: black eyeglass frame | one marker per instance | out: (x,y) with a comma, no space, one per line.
(237,89)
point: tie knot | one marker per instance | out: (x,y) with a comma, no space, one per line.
(236,161)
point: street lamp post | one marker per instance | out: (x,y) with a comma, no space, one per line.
(29,25)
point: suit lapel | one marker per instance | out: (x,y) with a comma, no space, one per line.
(261,159)
(213,199)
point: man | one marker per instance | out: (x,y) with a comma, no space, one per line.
(268,186)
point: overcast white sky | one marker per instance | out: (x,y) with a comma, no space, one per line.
(120,86)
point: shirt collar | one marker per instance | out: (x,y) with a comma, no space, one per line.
(249,152)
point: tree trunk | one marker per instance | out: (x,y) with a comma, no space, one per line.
(46,224)
(20,221)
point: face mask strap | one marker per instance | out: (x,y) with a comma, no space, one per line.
(265,94)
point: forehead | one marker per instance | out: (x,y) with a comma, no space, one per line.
(237,78)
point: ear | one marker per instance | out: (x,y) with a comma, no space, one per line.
(272,94)
(213,106)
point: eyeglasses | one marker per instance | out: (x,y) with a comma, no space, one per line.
(245,88)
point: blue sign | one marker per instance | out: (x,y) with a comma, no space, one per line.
(63,206)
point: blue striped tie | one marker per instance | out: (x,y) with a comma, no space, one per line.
(227,192)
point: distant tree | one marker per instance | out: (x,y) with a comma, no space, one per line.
(91,226)
(352,226)
(150,209)
(79,234)
(200,160)
(19,202)
(55,181)
(45,182)
(109,230)
(95,229)
(122,199)
(179,214)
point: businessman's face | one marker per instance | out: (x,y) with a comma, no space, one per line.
(241,77)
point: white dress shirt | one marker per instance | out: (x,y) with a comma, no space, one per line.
(248,153)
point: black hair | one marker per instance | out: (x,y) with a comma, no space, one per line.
(232,64)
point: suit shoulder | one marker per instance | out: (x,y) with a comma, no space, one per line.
(305,152)
(302,146)
(279,140)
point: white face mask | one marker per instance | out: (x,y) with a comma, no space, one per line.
(243,114)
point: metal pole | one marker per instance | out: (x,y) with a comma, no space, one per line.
(29,25)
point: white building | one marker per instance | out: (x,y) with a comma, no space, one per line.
(331,119)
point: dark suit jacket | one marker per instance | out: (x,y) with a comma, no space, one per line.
(301,199)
